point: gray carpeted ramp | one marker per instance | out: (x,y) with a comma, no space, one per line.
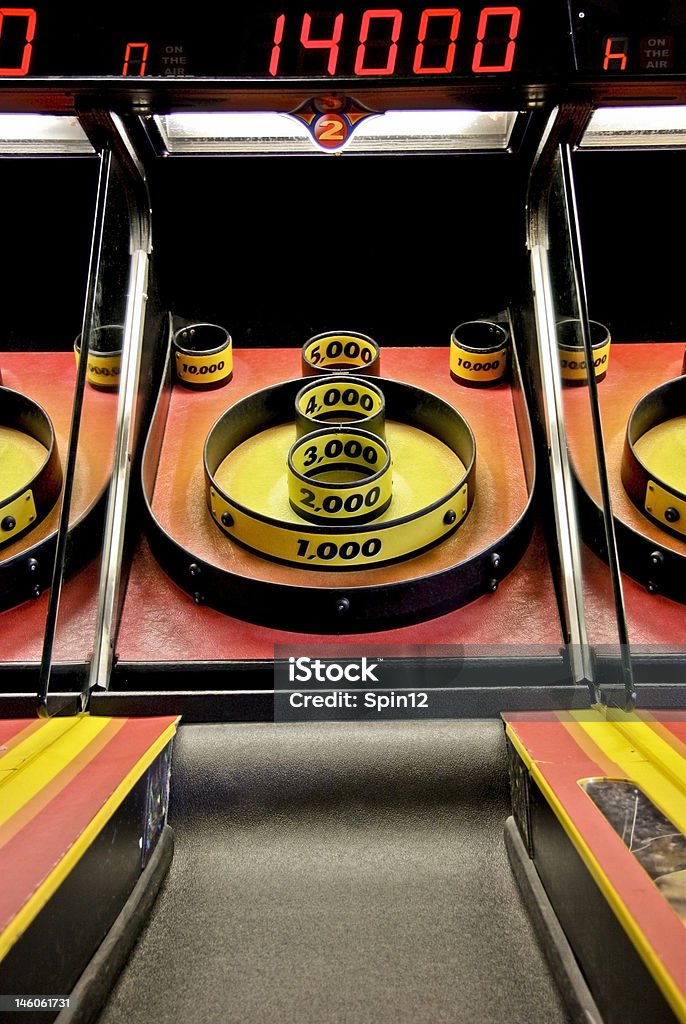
(338,873)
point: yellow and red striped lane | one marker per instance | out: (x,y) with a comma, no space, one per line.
(671,726)
(60,783)
(564,749)
(15,730)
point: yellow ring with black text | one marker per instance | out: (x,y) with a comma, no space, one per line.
(203,356)
(340,474)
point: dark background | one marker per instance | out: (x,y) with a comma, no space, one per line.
(278,249)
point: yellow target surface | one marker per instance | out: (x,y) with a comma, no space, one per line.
(255,475)
(662,450)
(21,457)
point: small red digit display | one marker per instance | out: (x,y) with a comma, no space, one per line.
(616,48)
(323,44)
(135,60)
(442,13)
(396,19)
(276,48)
(28,15)
(513,13)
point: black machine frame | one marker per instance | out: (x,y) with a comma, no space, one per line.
(120,112)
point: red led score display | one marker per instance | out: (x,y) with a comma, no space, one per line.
(291,41)
(17,30)
(376,40)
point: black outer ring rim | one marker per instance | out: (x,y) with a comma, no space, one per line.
(202,351)
(659,568)
(657,406)
(481,350)
(96,351)
(25,575)
(310,610)
(656,566)
(564,346)
(31,418)
(274,392)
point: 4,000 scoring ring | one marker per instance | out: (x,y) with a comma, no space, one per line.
(342,399)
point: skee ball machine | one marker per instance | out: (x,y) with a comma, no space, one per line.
(335,410)
(617,887)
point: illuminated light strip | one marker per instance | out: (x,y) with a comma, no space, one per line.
(340,451)
(126,756)
(269,131)
(613,127)
(341,400)
(341,352)
(557,768)
(42,133)
(339,547)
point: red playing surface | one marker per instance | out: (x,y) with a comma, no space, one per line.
(48,378)
(161,623)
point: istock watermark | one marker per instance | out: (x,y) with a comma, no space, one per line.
(334,682)
(306,669)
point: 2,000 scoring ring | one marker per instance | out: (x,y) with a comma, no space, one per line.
(340,473)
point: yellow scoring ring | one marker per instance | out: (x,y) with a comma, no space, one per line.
(478,353)
(340,399)
(573,356)
(339,474)
(104,356)
(340,544)
(203,356)
(341,352)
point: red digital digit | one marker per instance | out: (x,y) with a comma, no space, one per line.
(389,15)
(437,12)
(137,55)
(30,15)
(323,44)
(276,48)
(514,14)
(616,48)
